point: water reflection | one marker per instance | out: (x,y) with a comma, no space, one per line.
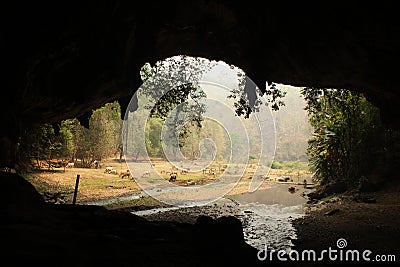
(267,215)
(275,194)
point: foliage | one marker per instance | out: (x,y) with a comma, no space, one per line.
(40,143)
(66,138)
(347,138)
(105,131)
(153,140)
(290,165)
(172,86)
(292,127)
(173,81)
(252,157)
(102,139)
(169,85)
(248,99)
(135,145)
(197,142)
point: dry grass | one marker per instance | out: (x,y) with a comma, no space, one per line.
(95,184)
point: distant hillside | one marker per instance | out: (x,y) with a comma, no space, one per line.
(292,127)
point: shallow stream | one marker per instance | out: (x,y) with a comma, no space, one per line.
(266,215)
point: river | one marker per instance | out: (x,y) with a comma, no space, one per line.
(266,215)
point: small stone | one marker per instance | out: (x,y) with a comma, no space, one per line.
(331,212)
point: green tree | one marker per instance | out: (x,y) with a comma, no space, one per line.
(153,137)
(175,80)
(82,145)
(213,130)
(169,85)
(347,139)
(104,130)
(40,143)
(196,136)
(66,138)
(135,141)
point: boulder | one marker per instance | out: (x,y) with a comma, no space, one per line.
(327,190)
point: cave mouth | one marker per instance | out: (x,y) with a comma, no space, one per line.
(242,138)
(166,87)
(176,84)
(183,91)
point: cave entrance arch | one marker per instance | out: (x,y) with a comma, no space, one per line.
(182,90)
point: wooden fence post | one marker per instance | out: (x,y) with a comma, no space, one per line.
(76,189)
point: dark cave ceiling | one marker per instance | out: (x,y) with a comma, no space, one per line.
(62,59)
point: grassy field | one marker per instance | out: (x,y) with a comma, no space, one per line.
(296,170)
(93,183)
(97,184)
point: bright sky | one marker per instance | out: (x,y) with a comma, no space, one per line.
(223,74)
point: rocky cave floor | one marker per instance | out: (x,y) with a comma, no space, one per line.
(367,221)
(36,233)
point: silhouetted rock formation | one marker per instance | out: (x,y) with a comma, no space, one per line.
(38,233)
